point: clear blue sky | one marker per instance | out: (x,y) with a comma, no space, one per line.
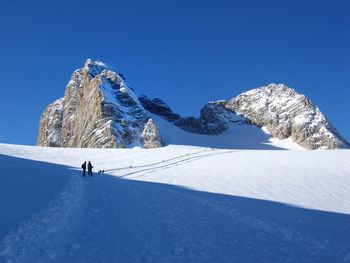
(185,52)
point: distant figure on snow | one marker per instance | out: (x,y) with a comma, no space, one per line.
(90,168)
(83,166)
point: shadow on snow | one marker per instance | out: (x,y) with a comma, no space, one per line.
(122,220)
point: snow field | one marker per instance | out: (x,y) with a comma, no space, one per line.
(245,201)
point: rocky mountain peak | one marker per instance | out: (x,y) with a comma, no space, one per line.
(98,110)
(95,68)
(286,113)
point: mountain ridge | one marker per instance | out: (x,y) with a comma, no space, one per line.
(99,110)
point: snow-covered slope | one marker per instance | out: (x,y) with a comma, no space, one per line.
(174,204)
(237,136)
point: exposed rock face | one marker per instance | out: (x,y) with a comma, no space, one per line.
(157,106)
(285,113)
(51,125)
(150,137)
(98,111)
(213,119)
(190,124)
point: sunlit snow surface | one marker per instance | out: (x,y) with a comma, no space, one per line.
(242,201)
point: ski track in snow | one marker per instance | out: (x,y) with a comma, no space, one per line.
(169,163)
(155,163)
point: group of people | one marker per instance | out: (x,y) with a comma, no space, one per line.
(89,167)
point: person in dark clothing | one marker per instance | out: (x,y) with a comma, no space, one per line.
(83,166)
(90,168)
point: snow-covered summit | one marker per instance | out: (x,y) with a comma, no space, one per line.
(95,68)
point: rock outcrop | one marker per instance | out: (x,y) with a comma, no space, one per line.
(159,107)
(285,113)
(51,125)
(98,110)
(213,119)
(150,137)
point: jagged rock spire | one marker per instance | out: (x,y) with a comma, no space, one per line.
(97,110)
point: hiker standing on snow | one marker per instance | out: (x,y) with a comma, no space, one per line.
(90,168)
(83,166)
